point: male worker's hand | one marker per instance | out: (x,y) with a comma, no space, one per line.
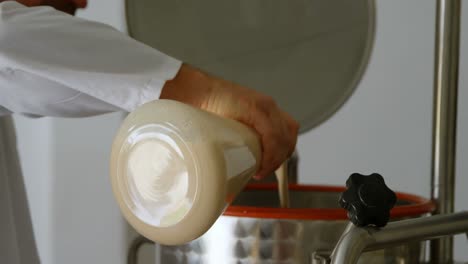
(277,130)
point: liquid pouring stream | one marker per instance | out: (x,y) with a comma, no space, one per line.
(283,190)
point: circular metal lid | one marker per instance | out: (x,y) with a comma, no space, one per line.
(308,55)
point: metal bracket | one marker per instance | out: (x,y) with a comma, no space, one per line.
(320,257)
(132,257)
(356,240)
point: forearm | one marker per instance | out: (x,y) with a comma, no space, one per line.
(88,57)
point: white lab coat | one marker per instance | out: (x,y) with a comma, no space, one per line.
(54,64)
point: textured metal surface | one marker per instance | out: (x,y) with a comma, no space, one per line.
(249,240)
(267,241)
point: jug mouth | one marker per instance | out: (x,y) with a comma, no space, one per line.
(321,199)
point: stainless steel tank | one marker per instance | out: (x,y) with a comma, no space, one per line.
(255,230)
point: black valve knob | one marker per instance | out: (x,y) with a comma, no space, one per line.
(368,200)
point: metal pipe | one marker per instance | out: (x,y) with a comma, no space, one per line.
(357,240)
(351,245)
(447,40)
(132,256)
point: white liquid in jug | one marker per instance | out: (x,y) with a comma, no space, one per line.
(164,197)
(175,168)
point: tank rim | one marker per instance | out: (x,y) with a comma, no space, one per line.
(418,205)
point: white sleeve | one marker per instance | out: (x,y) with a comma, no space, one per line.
(52,63)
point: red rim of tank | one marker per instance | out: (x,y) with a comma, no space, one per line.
(418,206)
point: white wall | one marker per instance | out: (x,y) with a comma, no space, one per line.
(385,127)
(35,150)
(87,225)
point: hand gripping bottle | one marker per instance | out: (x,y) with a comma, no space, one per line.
(175,168)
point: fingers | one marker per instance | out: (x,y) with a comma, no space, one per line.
(273,142)
(277,129)
(278,132)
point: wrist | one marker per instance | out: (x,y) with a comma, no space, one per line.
(190,86)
